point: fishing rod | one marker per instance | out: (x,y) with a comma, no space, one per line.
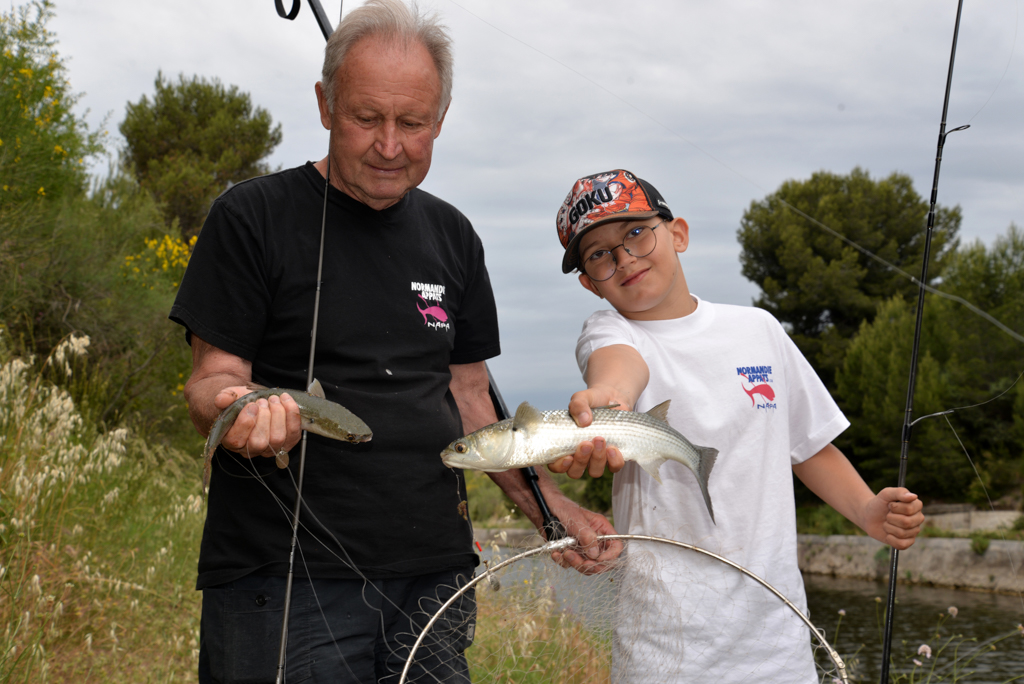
(318,13)
(282,653)
(894,554)
(553,528)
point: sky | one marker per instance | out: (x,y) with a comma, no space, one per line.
(715,103)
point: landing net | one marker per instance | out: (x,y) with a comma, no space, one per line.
(651,617)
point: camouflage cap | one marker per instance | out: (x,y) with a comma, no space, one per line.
(615,195)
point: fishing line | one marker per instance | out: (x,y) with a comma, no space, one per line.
(1009,557)
(863,250)
(346,561)
(961,408)
(1013,47)
(988,401)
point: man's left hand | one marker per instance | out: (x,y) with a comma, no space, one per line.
(589,556)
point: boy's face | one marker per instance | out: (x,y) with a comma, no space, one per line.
(651,287)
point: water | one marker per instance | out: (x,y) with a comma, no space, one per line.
(980,618)
(921,614)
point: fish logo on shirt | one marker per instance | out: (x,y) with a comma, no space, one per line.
(435,312)
(429,305)
(760,377)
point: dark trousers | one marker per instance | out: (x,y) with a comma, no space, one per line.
(338,630)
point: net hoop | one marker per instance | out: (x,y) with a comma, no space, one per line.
(569,542)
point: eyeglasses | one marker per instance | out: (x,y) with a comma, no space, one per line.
(638,242)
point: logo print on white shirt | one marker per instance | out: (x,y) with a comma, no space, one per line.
(760,377)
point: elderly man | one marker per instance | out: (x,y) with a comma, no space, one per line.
(407,319)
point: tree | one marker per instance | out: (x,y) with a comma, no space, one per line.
(821,288)
(63,244)
(964,362)
(43,146)
(193,139)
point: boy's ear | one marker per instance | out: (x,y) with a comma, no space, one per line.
(680,231)
(588,284)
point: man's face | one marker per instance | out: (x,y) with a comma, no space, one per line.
(384,122)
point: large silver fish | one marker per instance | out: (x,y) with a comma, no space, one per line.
(319,416)
(535,438)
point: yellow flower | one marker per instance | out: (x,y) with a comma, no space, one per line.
(41,192)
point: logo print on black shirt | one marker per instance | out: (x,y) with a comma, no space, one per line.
(434,316)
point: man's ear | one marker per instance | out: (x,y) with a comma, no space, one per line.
(680,232)
(437,130)
(588,284)
(321,101)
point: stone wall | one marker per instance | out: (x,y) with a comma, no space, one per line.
(939,562)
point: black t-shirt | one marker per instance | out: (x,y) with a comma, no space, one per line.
(404,293)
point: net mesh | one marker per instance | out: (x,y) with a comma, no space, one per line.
(661,612)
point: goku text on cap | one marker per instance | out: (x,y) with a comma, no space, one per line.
(602,198)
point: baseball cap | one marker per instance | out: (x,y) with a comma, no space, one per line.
(615,195)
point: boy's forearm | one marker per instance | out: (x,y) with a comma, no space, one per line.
(893,516)
(831,476)
(618,373)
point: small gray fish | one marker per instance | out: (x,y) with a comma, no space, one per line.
(537,438)
(319,416)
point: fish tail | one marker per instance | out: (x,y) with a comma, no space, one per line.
(705,462)
(207,469)
(211,446)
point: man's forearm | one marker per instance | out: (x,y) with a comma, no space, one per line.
(213,370)
(200,394)
(515,486)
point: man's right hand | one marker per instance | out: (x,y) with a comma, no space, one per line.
(262,428)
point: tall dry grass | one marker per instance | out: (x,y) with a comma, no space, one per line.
(98,538)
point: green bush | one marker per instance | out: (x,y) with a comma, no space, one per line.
(823,520)
(979,543)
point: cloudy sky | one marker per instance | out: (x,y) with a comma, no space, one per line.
(716,103)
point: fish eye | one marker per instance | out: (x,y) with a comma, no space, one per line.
(460,447)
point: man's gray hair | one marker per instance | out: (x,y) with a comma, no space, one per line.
(397,23)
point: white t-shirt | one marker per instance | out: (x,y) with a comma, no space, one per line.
(738,384)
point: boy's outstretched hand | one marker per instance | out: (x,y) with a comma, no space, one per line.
(616,374)
(894,517)
(592,455)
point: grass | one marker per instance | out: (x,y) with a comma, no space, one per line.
(524,637)
(99,534)
(490,507)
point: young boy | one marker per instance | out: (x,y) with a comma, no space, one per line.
(738,384)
